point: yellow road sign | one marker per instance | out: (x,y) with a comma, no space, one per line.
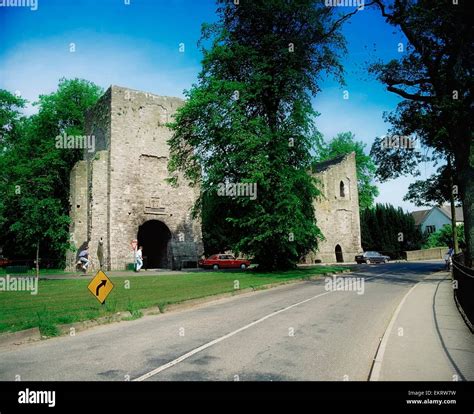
(101,286)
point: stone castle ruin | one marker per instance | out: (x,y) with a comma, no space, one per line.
(119,192)
(337,211)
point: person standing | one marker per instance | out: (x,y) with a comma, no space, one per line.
(138,259)
(100,253)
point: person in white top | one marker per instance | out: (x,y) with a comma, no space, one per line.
(138,259)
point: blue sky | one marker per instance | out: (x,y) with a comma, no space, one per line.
(137,46)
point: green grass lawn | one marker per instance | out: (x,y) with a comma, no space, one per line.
(32,272)
(67,301)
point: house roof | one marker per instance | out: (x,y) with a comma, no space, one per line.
(446,209)
(420,215)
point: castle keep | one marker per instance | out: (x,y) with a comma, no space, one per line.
(337,210)
(119,191)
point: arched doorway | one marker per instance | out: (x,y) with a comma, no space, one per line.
(155,236)
(339,256)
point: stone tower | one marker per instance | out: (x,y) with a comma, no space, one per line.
(119,192)
(337,211)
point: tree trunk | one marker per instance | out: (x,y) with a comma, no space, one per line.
(468,210)
(465,174)
(454,232)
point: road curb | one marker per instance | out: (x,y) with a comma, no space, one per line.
(10,339)
(20,337)
(72,328)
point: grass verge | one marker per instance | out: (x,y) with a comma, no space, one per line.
(68,301)
(32,272)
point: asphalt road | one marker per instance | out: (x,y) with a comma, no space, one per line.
(295,332)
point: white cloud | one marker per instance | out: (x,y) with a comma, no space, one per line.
(35,68)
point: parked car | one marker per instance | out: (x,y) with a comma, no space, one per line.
(223,261)
(371,257)
(5,262)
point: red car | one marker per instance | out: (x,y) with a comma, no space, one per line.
(224,261)
(5,262)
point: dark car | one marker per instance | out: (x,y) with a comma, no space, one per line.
(224,261)
(371,257)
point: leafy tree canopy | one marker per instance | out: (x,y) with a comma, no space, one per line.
(390,230)
(249,120)
(435,190)
(434,77)
(35,173)
(444,237)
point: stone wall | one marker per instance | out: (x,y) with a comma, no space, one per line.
(98,206)
(139,156)
(427,254)
(126,176)
(93,189)
(78,200)
(337,216)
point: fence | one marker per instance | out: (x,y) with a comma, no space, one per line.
(464,293)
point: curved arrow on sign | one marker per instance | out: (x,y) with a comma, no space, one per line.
(101,284)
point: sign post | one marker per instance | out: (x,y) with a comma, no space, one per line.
(100,286)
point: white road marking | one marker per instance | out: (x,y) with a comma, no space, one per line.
(222,338)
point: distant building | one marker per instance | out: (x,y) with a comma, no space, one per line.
(433,219)
(337,211)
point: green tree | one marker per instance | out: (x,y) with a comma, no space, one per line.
(345,143)
(435,190)
(35,174)
(250,120)
(215,228)
(390,230)
(443,237)
(10,129)
(10,117)
(434,76)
